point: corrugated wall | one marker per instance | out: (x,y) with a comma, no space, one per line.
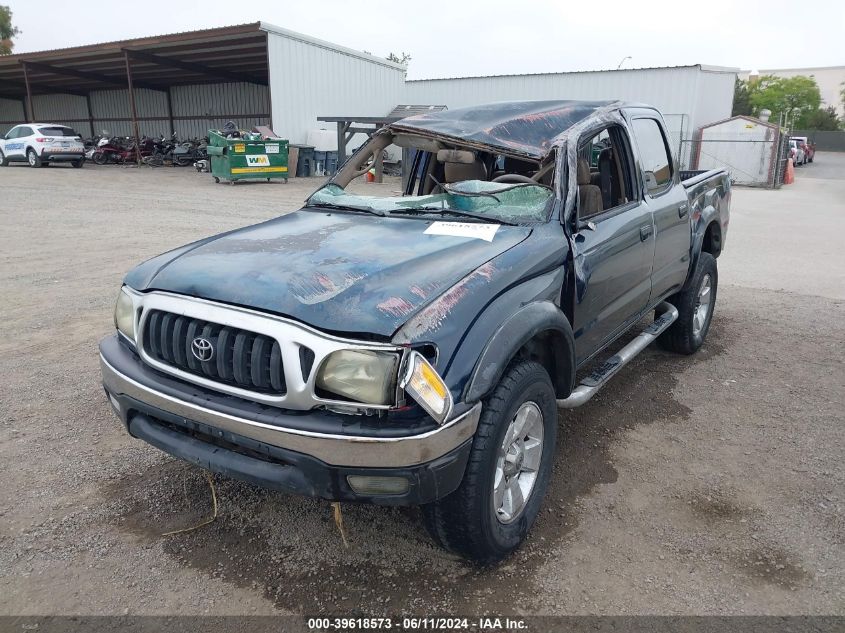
(110,110)
(11,112)
(309,80)
(210,106)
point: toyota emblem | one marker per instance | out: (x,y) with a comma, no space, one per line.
(202,349)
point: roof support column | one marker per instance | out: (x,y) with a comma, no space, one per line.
(342,127)
(132,109)
(170,112)
(90,113)
(30,117)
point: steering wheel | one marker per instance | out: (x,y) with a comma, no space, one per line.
(514,178)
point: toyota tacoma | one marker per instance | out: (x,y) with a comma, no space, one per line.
(415,349)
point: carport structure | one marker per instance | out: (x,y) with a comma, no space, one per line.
(186,83)
(157,64)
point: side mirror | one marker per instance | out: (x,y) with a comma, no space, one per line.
(650,180)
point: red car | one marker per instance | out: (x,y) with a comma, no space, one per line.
(809,148)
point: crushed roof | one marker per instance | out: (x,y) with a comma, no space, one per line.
(525,127)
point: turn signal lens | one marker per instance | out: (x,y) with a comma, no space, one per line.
(424,385)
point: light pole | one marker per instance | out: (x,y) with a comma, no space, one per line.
(623,61)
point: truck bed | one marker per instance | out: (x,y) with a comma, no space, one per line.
(692,177)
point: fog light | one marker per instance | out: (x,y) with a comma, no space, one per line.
(364,485)
(114,403)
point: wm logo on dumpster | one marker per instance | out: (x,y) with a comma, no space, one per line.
(257,161)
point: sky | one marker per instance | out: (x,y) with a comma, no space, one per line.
(483,37)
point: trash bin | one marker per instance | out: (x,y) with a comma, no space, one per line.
(305,161)
(325,163)
(331,163)
(235,159)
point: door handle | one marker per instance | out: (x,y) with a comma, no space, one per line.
(645,231)
(683,210)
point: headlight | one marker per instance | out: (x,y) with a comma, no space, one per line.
(423,383)
(124,315)
(364,376)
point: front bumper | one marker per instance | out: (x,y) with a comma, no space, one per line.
(227,435)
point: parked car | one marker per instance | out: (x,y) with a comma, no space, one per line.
(40,144)
(415,349)
(796,152)
(808,148)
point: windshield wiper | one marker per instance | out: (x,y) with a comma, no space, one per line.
(345,207)
(447,211)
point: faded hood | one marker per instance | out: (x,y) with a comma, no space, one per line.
(338,272)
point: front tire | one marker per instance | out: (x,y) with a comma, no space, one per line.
(32,158)
(508,470)
(695,309)
(3,160)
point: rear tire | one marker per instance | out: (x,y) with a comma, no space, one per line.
(32,158)
(695,309)
(475,520)
(100,158)
(77,163)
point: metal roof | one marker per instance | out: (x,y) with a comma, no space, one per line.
(527,127)
(232,53)
(704,67)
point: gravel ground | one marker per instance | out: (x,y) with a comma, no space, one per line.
(710,484)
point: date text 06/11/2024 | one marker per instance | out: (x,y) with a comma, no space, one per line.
(417,624)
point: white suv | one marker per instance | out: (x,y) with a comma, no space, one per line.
(40,144)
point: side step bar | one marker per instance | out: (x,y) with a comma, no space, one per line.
(596,380)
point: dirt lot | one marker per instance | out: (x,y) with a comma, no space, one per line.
(702,485)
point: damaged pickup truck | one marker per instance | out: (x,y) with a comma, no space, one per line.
(415,349)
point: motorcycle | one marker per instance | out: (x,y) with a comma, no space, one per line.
(121,151)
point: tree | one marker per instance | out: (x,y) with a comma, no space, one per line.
(7,31)
(821,119)
(393,57)
(742,103)
(794,96)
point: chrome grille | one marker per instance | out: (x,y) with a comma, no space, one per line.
(241,358)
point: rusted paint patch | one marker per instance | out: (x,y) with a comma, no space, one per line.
(426,290)
(396,306)
(322,287)
(432,316)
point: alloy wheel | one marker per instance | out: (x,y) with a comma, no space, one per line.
(518,462)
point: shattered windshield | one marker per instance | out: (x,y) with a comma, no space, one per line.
(503,202)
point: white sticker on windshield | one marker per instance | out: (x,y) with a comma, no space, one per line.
(464,229)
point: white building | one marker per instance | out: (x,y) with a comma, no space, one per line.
(831,81)
(688,96)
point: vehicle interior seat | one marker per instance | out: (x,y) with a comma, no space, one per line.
(589,195)
(458,172)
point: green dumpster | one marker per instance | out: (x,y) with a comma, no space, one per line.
(235,159)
